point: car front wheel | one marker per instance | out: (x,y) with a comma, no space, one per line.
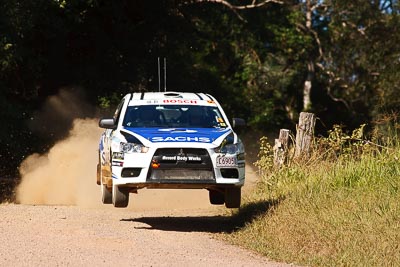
(120,196)
(106,196)
(216,197)
(232,197)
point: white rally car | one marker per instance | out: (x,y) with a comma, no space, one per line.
(170,140)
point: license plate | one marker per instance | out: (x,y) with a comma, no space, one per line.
(226,161)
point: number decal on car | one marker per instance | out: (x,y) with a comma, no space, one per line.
(223,161)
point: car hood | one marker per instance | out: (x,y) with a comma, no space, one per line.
(174,135)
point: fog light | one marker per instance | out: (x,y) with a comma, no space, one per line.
(155,164)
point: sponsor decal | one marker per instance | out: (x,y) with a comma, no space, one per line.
(177,130)
(118,155)
(179,101)
(101,146)
(195,135)
(103,157)
(181,158)
(117,163)
(171,158)
(180,139)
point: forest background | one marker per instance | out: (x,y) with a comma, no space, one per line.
(266,61)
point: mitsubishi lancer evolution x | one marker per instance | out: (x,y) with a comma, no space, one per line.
(170,140)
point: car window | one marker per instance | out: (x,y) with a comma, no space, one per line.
(118,111)
(173,116)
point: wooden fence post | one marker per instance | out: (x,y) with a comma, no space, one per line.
(281,148)
(304,135)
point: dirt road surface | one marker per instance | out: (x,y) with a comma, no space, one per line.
(63,223)
(159,228)
(74,236)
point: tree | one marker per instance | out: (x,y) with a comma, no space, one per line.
(349,50)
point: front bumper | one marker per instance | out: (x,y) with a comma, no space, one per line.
(177,168)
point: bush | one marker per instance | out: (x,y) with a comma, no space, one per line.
(339,208)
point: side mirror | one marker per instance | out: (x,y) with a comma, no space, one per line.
(107,123)
(236,122)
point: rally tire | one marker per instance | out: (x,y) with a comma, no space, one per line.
(106,195)
(98,178)
(98,174)
(216,197)
(120,196)
(233,197)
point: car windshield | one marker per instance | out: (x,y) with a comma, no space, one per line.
(177,116)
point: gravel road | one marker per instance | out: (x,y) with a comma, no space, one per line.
(75,236)
(159,228)
(63,223)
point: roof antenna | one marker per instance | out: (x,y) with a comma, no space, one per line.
(159,78)
(165,74)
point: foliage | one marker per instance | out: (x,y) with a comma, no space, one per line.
(337,210)
(256,63)
(387,126)
(265,161)
(341,144)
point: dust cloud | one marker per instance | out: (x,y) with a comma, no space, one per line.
(54,119)
(66,175)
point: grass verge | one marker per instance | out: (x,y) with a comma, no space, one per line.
(342,212)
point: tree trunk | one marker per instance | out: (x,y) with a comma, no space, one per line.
(307,86)
(310,64)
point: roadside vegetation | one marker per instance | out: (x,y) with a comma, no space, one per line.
(265,61)
(341,207)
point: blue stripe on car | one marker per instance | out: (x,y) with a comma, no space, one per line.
(202,135)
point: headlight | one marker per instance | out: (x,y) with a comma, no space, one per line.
(237,148)
(133,148)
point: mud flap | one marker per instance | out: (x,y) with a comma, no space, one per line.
(98,173)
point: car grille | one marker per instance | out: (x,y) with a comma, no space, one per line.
(181,164)
(182,174)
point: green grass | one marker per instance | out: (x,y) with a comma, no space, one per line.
(343,212)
